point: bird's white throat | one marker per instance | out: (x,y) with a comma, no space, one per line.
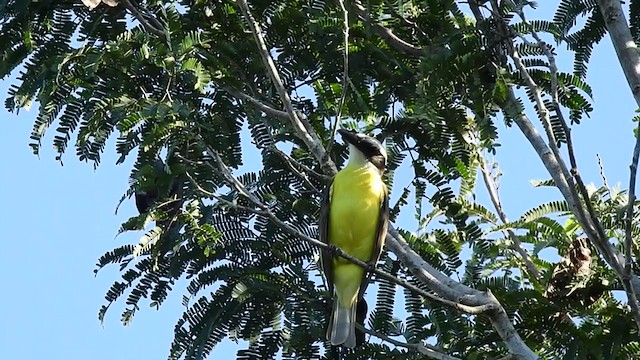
(358,159)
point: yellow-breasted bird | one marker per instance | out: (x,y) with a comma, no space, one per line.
(353,217)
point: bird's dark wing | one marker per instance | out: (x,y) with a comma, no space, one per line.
(323,232)
(383,221)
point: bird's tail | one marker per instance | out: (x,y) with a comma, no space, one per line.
(343,325)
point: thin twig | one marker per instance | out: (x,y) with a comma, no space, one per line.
(492,189)
(293,164)
(345,76)
(424,349)
(257,103)
(628,240)
(602,175)
(221,199)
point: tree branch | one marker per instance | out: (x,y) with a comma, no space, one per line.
(156,28)
(630,204)
(447,287)
(300,123)
(585,214)
(492,189)
(629,59)
(258,104)
(385,33)
(293,165)
(554,169)
(623,43)
(424,349)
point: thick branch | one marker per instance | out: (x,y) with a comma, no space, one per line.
(629,59)
(450,288)
(555,170)
(623,43)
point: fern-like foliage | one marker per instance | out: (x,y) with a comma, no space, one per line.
(100,79)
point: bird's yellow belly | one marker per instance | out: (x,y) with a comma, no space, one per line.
(355,209)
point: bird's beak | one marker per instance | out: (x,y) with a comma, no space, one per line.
(349,136)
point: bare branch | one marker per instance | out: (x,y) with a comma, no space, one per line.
(633,168)
(623,43)
(555,170)
(258,104)
(447,287)
(492,189)
(562,177)
(599,239)
(629,59)
(392,39)
(300,124)
(424,349)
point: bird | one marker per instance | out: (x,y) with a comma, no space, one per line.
(575,278)
(145,198)
(160,185)
(353,217)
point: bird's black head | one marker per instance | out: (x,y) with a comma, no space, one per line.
(371,148)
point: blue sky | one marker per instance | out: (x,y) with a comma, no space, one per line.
(60,219)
